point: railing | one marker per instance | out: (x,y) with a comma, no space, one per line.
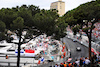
(84,43)
(52,63)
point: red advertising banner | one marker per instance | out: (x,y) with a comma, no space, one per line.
(29,51)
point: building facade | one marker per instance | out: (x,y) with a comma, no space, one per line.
(60,6)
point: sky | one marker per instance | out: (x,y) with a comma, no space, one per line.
(43,4)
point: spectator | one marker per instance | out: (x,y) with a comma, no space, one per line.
(69,64)
(65,65)
(61,65)
(6,56)
(98,64)
(92,60)
(56,65)
(99,57)
(81,62)
(95,58)
(64,54)
(83,58)
(74,64)
(77,62)
(62,57)
(87,62)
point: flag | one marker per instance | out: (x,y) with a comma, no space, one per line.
(42,59)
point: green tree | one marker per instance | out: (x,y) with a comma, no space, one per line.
(2,30)
(26,15)
(45,21)
(7,16)
(60,28)
(18,25)
(86,11)
(2,26)
(88,30)
(34,9)
(76,29)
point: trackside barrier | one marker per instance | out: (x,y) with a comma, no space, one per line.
(83,43)
(52,63)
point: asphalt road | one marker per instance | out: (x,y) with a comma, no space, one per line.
(72,45)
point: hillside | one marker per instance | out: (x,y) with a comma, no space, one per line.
(85,11)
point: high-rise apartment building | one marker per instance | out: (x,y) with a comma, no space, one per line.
(60,6)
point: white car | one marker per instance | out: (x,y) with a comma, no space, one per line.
(68,36)
(78,48)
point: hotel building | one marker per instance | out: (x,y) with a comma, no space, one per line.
(60,6)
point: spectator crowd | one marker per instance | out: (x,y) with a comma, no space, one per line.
(82,62)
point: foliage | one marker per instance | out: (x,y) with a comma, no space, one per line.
(49,22)
(45,21)
(86,11)
(7,16)
(27,13)
(60,28)
(86,29)
(18,24)
(2,26)
(2,36)
(76,29)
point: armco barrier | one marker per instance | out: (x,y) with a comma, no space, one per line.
(52,63)
(83,43)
